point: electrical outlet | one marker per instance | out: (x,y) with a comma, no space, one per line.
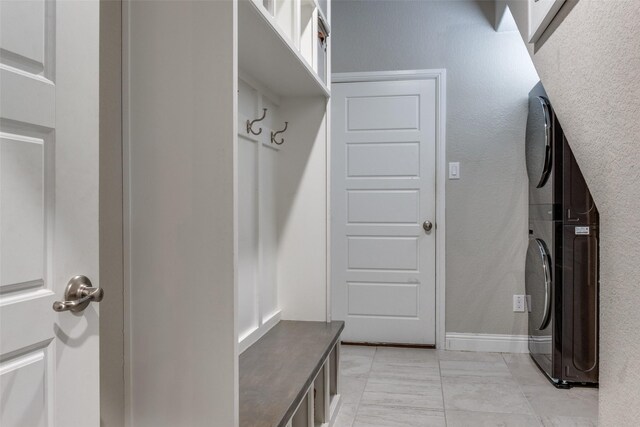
(519,303)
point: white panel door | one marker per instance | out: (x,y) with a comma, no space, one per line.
(382,191)
(49,367)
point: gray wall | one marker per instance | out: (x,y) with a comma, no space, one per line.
(489,75)
(589,66)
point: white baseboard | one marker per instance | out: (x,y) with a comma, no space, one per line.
(249,339)
(487,343)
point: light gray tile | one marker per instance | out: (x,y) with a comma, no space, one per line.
(351,388)
(549,401)
(388,416)
(417,394)
(404,386)
(346,415)
(516,357)
(490,419)
(355,365)
(424,401)
(560,421)
(524,370)
(357,350)
(406,355)
(469,356)
(404,371)
(478,394)
(473,368)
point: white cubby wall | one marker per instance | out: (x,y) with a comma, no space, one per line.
(282,222)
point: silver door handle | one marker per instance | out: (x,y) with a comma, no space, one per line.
(78,294)
(427,226)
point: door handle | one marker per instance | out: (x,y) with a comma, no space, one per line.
(78,294)
(427,225)
(544,256)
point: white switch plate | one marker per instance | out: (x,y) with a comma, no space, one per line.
(454,170)
(519,303)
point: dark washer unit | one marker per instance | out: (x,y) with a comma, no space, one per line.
(562,258)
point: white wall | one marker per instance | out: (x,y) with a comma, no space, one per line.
(589,66)
(302,211)
(111,219)
(258,163)
(282,198)
(180,121)
(489,75)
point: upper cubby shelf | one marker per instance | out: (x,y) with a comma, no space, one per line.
(279,48)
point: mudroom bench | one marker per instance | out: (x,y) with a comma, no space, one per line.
(289,377)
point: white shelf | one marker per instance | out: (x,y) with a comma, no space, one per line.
(267,55)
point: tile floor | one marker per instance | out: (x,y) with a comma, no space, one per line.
(389,387)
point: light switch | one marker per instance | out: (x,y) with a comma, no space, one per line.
(454,170)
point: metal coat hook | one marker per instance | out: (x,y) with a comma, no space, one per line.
(250,123)
(274,134)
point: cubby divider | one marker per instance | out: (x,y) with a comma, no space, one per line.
(334,380)
(320,404)
(307,33)
(303,417)
(285,14)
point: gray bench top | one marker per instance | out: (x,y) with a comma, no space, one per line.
(276,371)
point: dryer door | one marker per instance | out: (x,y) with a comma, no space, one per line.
(538,141)
(538,282)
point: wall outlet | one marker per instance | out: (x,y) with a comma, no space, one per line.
(519,303)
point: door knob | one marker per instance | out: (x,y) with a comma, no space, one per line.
(427,226)
(78,294)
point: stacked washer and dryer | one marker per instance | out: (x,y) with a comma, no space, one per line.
(562,259)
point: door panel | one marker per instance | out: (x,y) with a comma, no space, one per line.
(383,299)
(48,211)
(383,112)
(22,197)
(382,253)
(375,160)
(26,375)
(25,17)
(383,188)
(371,206)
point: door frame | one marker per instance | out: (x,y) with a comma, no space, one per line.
(440,77)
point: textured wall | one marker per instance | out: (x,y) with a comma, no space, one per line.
(489,75)
(589,66)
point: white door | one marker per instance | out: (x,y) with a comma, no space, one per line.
(383,190)
(49,367)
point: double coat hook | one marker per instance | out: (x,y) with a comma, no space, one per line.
(250,123)
(274,134)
